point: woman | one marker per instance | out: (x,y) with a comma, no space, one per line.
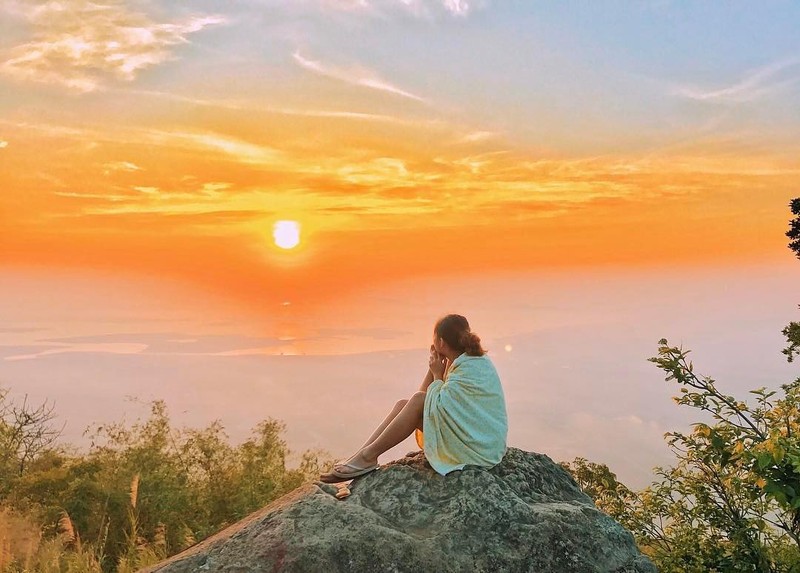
(459,412)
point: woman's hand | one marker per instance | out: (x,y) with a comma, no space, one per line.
(437,364)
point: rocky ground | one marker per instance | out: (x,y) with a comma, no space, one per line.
(525,514)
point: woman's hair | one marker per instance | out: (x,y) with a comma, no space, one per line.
(454,328)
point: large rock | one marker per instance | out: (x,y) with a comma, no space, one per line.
(525,514)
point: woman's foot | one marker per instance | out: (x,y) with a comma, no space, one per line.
(358,461)
(358,464)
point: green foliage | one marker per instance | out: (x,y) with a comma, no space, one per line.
(794,227)
(601,484)
(792,334)
(25,433)
(792,330)
(146,491)
(738,476)
(731,502)
(669,519)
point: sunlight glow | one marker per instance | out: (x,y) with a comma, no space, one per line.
(286,234)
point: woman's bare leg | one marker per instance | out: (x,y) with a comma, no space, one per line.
(396,410)
(398,429)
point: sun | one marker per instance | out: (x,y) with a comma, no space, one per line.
(286,234)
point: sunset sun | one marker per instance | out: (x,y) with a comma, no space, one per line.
(286,234)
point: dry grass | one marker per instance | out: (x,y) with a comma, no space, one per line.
(134,490)
(69,535)
(20,538)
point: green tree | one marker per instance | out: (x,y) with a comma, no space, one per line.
(601,484)
(741,469)
(672,520)
(794,227)
(25,433)
(792,330)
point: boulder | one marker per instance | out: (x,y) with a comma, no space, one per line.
(524,514)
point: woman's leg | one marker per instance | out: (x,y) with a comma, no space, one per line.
(398,429)
(396,410)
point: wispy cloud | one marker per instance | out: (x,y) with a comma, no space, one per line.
(457,7)
(754,85)
(238,149)
(103,196)
(475,136)
(116,166)
(346,5)
(78,43)
(223,146)
(355,75)
(252,106)
(3,144)
(420,8)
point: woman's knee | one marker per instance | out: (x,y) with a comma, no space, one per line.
(418,396)
(400,404)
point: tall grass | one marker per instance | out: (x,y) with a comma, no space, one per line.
(23,550)
(140,495)
(20,538)
(138,552)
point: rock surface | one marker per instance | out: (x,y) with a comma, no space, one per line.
(525,514)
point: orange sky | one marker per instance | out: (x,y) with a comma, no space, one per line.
(172,150)
(199,205)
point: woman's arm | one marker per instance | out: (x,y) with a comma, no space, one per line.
(441,364)
(427,381)
(429,376)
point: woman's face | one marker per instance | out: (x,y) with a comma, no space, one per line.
(438,344)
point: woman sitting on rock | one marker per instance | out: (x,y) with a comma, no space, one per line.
(459,412)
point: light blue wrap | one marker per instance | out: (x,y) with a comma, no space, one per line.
(465,420)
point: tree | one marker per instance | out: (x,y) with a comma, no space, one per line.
(794,227)
(25,433)
(674,520)
(741,470)
(732,501)
(600,483)
(792,330)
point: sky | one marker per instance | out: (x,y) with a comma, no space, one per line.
(578,180)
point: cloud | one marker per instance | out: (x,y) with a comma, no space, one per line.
(190,204)
(3,144)
(141,217)
(420,8)
(115,166)
(756,84)
(103,196)
(355,75)
(240,150)
(476,136)
(457,7)
(346,5)
(78,43)
(250,107)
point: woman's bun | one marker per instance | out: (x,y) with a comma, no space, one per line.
(471,343)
